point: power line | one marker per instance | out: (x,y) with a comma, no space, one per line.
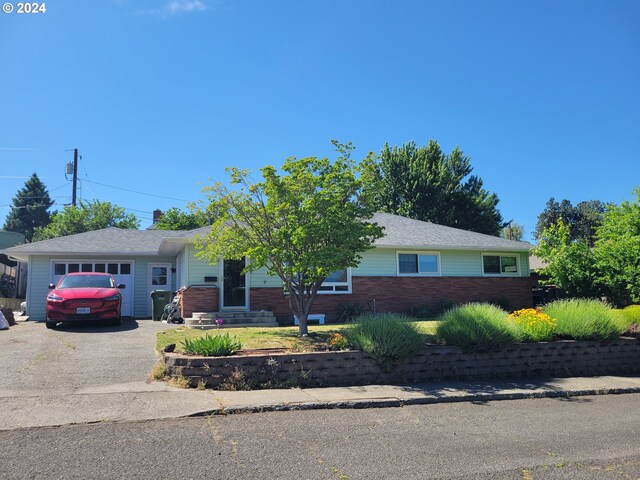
(139,193)
(86,174)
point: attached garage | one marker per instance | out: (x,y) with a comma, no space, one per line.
(131,256)
(121,271)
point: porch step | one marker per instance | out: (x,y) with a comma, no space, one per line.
(234,325)
(208,319)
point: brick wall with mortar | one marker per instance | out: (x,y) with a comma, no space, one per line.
(400,294)
(198,299)
(434,363)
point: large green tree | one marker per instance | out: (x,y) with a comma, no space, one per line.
(426,184)
(512,231)
(582,219)
(30,209)
(176,219)
(608,266)
(301,222)
(569,263)
(617,252)
(92,215)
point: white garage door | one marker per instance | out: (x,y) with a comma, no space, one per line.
(121,271)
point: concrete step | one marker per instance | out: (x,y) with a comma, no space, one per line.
(234,325)
(208,319)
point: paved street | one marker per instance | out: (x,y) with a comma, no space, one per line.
(587,437)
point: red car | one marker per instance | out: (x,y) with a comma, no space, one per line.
(84,296)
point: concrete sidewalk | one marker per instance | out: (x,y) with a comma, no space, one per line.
(376,396)
(138,401)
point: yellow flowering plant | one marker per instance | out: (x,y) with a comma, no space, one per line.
(534,324)
(338,342)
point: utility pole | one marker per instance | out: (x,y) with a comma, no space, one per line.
(75,176)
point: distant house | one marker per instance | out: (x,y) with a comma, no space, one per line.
(13,274)
(415,263)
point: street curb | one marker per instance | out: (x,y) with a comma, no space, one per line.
(396,402)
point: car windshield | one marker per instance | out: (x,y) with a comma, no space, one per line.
(86,281)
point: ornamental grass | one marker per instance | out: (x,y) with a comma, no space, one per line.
(386,337)
(478,327)
(584,319)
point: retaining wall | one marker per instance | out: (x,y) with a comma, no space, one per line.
(433,363)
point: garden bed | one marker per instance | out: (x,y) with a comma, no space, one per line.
(433,363)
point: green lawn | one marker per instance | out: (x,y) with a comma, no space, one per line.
(275,337)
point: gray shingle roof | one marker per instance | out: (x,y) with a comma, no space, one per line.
(405,232)
(109,241)
(399,232)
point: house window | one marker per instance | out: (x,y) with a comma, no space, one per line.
(59,268)
(100,267)
(337,282)
(422,263)
(499,264)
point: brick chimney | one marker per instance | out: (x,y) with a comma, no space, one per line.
(157,214)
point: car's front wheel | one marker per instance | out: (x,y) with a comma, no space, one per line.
(50,325)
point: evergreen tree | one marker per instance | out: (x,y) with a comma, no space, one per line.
(426,184)
(582,220)
(30,208)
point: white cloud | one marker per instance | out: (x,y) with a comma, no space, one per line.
(176,7)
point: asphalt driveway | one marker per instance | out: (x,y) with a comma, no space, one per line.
(82,374)
(33,358)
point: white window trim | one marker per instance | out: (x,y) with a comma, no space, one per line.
(500,254)
(418,252)
(348,284)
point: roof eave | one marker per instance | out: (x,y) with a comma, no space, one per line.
(456,247)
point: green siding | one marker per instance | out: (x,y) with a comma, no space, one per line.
(260,278)
(197,268)
(39,277)
(453,263)
(182,269)
(376,262)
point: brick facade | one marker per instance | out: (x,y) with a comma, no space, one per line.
(198,299)
(391,294)
(400,294)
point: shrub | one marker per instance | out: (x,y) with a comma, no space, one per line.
(386,337)
(478,326)
(432,310)
(211,345)
(349,311)
(534,325)
(631,315)
(338,342)
(583,319)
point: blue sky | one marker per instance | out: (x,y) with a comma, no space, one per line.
(160,96)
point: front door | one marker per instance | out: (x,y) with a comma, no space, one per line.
(234,285)
(159,279)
